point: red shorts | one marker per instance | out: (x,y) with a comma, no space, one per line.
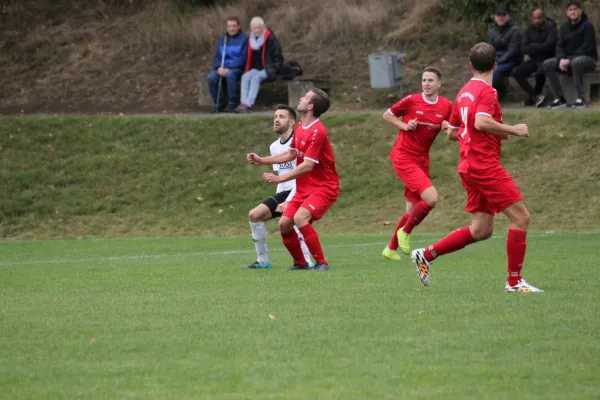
(415,178)
(490,194)
(317,203)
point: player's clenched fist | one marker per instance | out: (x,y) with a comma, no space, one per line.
(267,177)
(521,130)
(253,158)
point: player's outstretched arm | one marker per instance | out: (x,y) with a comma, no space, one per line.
(487,124)
(288,156)
(302,169)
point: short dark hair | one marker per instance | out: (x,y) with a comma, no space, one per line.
(482,57)
(435,71)
(320,102)
(289,109)
(233,18)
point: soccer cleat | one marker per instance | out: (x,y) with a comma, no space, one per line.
(298,267)
(403,241)
(321,267)
(423,266)
(389,254)
(521,287)
(257,265)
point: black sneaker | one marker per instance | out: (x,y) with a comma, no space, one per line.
(579,103)
(539,100)
(558,103)
(298,267)
(321,267)
(230,108)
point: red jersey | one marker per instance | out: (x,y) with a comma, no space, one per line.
(479,151)
(312,143)
(430,115)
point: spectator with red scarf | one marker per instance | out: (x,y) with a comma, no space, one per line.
(263,62)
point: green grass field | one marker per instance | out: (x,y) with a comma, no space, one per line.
(176,318)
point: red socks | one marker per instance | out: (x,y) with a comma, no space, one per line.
(456,240)
(393,245)
(417,215)
(515,250)
(292,243)
(311,238)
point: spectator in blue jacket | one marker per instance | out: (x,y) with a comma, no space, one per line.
(233,56)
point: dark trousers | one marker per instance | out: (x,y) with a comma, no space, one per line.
(229,88)
(502,70)
(578,67)
(524,71)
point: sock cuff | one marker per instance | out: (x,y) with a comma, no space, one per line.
(517,234)
(468,234)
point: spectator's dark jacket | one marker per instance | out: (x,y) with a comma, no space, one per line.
(272,56)
(539,41)
(235,51)
(577,39)
(507,41)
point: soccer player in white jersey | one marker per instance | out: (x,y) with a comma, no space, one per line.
(283,125)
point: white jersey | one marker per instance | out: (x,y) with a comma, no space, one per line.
(277,147)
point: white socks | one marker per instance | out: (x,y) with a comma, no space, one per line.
(259,235)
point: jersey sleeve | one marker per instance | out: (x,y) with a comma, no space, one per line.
(454,121)
(400,108)
(487,103)
(315,145)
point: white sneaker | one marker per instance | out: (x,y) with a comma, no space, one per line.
(521,287)
(418,257)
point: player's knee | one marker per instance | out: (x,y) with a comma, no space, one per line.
(301,219)
(286,224)
(254,215)
(523,220)
(482,232)
(432,201)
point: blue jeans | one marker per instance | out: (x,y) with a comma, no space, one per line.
(229,87)
(502,70)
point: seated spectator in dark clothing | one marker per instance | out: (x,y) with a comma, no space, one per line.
(539,43)
(263,62)
(228,66)
(576,54)
(506,39)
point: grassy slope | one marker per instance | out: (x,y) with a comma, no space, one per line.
(177,319)
(68,177)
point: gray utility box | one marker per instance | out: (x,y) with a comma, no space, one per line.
(385,70)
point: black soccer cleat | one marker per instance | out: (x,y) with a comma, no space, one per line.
(321,267)
(298,267)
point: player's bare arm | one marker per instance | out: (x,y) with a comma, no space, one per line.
(487,124)
(398,123)
(255,159)
(302,169)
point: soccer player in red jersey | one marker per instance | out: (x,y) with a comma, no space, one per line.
(476,122)
(317,183)
(420,117)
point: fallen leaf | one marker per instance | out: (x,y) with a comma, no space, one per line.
(220,211)
(272,316)
(93,340)
(231,207)
(386,223)
(342,218)
(200,198)
(587,356)
(50,147)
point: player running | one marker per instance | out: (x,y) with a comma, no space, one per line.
(283,125)
(490,189)
(420,117)
(317,183)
